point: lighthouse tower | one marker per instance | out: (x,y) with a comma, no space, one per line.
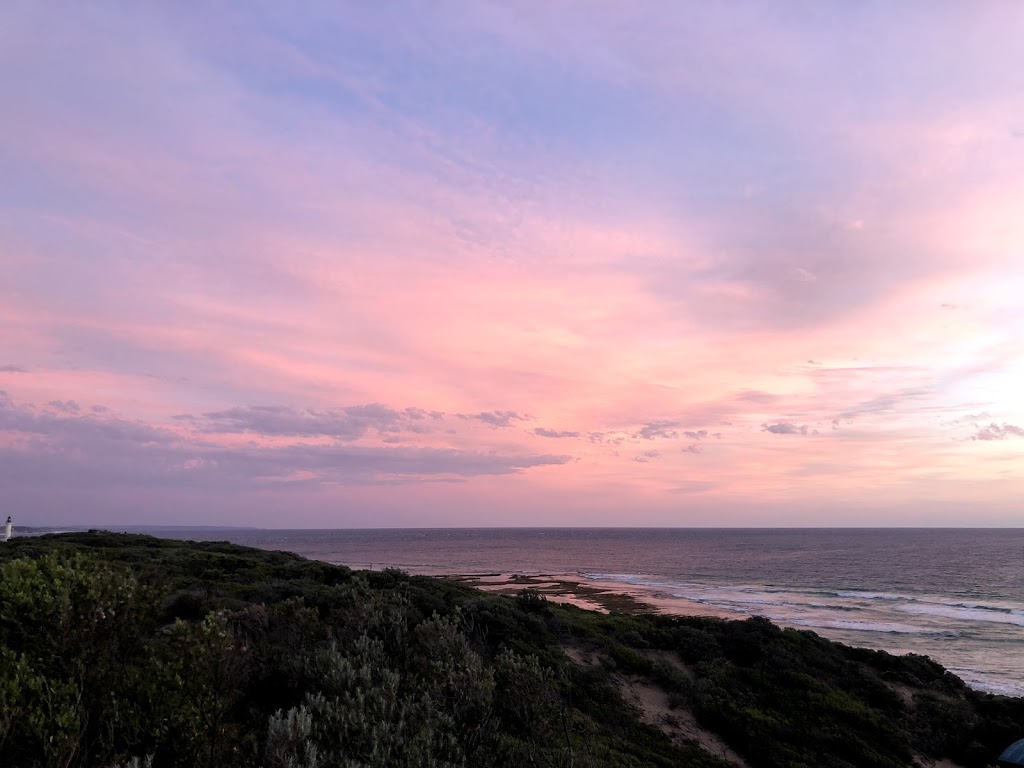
(8,529)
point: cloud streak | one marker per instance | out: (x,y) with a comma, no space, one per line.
(496,419)
(784,428)
(554,433)
(98,449)
(349,423)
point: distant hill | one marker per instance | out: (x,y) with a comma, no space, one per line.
(128,650)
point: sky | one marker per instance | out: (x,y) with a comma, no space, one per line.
(421,264)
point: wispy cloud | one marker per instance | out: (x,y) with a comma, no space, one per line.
(700,434)
(554,433)
(666,429)
(784,428)
(998,432)
(347,423)
(497,419)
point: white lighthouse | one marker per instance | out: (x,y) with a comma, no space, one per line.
(8,529)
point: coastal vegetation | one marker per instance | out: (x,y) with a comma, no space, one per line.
(121,651)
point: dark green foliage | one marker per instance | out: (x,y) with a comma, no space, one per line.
(120,650)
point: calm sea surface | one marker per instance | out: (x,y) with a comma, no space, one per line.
(954,595)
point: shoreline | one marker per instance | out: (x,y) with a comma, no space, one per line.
(617,597)
(589,594)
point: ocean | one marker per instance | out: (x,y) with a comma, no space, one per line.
(954,595)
